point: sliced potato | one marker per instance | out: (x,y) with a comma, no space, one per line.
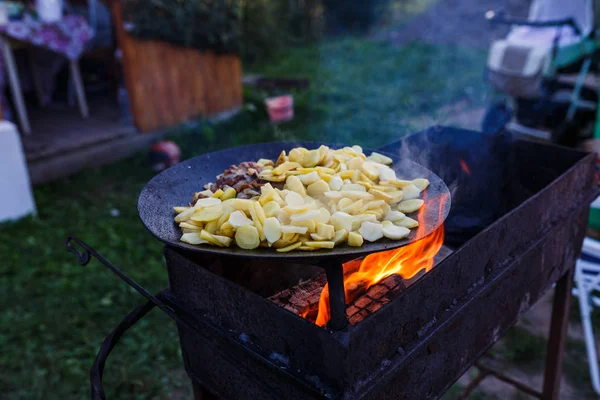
(397,196)
(394,232)
(263,162)
(351,194)
(386,173)
(238,219)
(381,195)
(211,227)
(340,236)
(272,229)
(380,158)
(341,220)
(187,225)
(226,230)
(345,202)
(407,222)
(311,159)
(307,248)
(211,239)
(281,159)
(326,231)
(207,202)
(289,248)
(355,239)
(271,209)
(296,155)
(229,193)
(410,206)
(371,231)
(294,199)
(353,208)
(358,220)
(208,214)
(335,183)
(193,238)
(247,237)
(353,187)
(260,212)
(185,214)
(317,237)
(224,240)
(283,168)
(399,183)
(242,204)
(324,216)
(394,216)
(273,178)
(309,178)
(286,240)
(309,223)
(410,192)
(421,183)
(320,244)
(370,169)
(355,163)
(307,215)
(318,188)
(294,229)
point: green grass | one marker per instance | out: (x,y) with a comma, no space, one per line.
(56,313)
(371,93)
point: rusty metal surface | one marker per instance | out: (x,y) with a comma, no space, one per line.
(176,185)
(417,345)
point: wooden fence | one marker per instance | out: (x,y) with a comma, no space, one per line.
(168,84)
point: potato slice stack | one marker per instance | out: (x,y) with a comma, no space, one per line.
(330,197)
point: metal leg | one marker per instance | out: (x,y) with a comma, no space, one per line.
(337,296)
(558,336)
(78,83)
(37,80)
(577,89)
(597,126)
(200,393)
(15,86)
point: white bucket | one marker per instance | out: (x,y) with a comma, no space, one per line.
(49,10)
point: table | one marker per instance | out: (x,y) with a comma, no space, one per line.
(67,37)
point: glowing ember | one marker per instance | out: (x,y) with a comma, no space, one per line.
(405,261)
(464,167)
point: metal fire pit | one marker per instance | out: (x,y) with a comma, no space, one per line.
(518,220)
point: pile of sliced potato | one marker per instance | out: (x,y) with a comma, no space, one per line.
(330,197)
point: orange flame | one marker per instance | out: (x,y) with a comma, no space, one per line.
(405,261)
(464,166)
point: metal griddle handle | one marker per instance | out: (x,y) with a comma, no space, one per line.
(111,340)
(85,257)
(97,371)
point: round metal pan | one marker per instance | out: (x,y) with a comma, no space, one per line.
(176,185)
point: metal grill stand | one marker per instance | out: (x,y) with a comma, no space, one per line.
(527,235)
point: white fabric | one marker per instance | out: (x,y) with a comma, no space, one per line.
(587,279)
(17,199)
(538,59)
(550,10)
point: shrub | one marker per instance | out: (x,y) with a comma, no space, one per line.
(203,24)
(343,16)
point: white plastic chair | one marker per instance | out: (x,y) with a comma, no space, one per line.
(587,280)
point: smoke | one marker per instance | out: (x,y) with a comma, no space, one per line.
(474,166)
